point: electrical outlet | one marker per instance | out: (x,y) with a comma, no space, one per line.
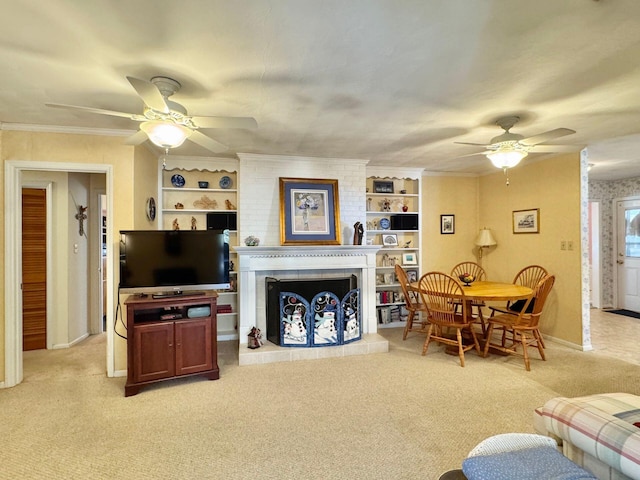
(563,245)
(569,244)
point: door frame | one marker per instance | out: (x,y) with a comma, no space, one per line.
(99,309)
(47,186)
(13,374)
(595,242)
(614,239)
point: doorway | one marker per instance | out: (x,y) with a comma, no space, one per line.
(627,253)
(34,269)
(13,258)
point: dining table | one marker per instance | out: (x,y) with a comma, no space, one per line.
(487,291)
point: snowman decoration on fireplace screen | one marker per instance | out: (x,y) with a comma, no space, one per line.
(325,307)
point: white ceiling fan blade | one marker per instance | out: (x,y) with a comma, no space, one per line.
(137,138)
(475,144)
(248,123)
(554,148)
(475,153)
(546,136)
(131,116)
(207,142)
(150,94)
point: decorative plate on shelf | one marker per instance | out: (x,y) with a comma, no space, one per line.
(384,223)
(225,182)
(177,180)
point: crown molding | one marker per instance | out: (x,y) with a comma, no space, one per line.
(25,127)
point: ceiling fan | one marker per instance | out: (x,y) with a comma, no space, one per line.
(506,150)
(165,122)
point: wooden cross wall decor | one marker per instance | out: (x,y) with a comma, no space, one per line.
(81,216)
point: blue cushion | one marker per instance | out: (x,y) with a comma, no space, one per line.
(528,464)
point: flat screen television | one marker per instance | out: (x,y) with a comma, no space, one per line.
(172,261)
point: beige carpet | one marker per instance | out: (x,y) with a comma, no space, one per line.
(387,416)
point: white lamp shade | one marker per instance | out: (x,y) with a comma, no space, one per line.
(485,238)
(506,158)
(165,135)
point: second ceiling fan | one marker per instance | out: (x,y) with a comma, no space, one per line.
(506,150)
(165,122)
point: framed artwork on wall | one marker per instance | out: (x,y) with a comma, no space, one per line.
(309,212)
(526,221)
(447,224)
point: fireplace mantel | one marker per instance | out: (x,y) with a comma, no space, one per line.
(255,263)
(318,257)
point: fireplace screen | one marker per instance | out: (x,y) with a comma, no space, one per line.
(325,321)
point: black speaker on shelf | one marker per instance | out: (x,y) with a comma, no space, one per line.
(406,221)
(221,221)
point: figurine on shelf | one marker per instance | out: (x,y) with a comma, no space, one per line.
(230,206)
(176,225)
(358,233)
(179,206)
(206,203)
(386,205)
(194,223)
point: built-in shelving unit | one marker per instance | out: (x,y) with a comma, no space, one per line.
(188,206)
(394,221)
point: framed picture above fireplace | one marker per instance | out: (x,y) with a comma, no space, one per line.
(309,212)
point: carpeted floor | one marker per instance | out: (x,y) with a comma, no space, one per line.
(393,415)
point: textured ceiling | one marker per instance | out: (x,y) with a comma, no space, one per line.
(396,82)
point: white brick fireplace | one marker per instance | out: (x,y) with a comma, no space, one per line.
(259,216)
(291,262)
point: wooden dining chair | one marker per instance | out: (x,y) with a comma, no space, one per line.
(480,275)
(523,328)
(438,290)
(529,276)
(417,317)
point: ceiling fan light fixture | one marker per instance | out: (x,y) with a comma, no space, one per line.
(506,158)
(165,135)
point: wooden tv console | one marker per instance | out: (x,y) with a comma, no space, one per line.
(169,338)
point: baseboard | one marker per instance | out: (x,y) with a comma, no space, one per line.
(573,346)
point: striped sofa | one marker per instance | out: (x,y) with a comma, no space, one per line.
(600,432)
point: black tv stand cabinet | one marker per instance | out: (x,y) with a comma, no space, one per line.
(169,338)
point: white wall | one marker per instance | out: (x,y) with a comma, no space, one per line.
(78,248)
(259,197)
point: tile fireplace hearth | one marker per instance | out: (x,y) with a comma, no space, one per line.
(258,263)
